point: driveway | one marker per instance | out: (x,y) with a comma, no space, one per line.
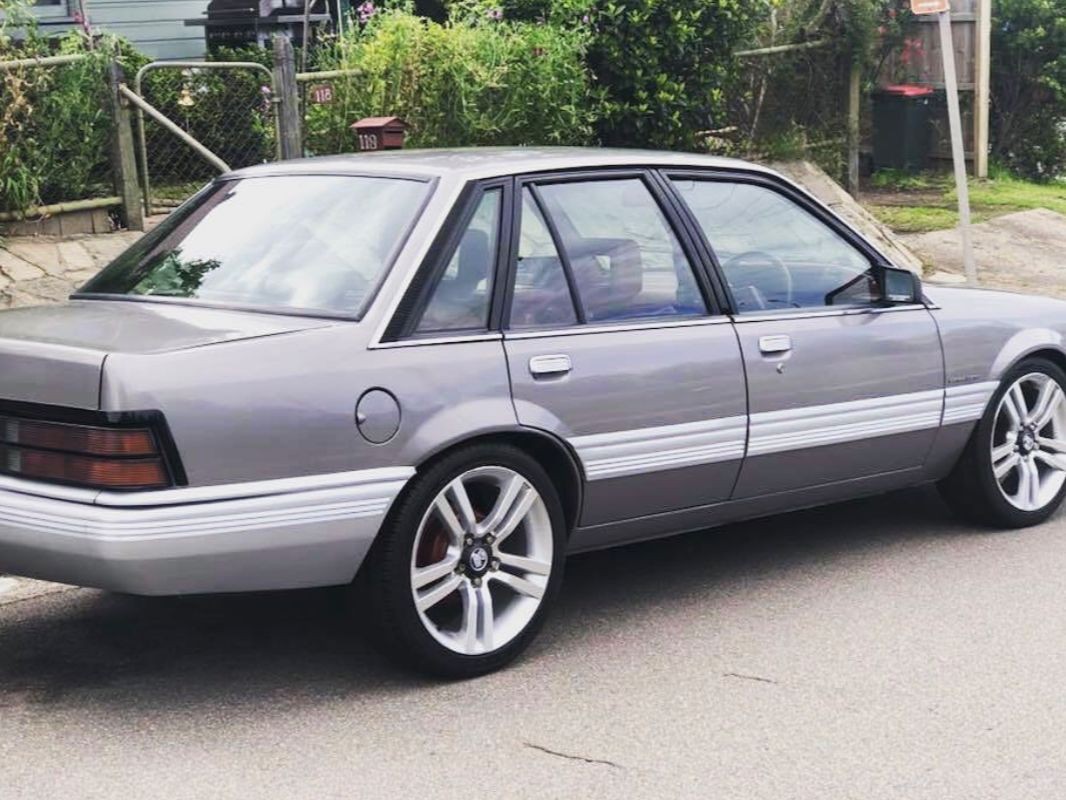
(878,649)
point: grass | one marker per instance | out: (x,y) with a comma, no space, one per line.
(921,203)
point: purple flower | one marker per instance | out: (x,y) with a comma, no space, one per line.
(586,19)
(366,10)
(495,14)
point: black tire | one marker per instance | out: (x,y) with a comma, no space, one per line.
(386,593)
(971,490)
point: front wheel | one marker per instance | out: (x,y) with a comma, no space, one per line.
(463,575)
(1013,471)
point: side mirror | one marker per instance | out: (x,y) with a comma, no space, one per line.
(899,287)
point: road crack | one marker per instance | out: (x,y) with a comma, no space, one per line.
(571,757)
(756,678)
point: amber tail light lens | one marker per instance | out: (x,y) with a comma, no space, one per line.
(82,455)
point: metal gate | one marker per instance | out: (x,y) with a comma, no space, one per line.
(197,119)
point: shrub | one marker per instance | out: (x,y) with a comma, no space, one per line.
(1029,86)
(475,80)
(54,122)
(665,69)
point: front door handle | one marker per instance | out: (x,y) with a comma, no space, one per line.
(771,345)
(545,366)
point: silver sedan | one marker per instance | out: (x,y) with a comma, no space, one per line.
(431,375)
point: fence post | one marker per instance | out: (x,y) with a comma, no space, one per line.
(123,155)
(854,105)
(288,98)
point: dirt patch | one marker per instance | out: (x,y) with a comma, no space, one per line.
(1023,252)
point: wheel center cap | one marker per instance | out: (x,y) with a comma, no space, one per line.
(1027,443)
(477,559)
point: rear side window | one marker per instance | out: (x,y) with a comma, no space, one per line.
(625,261)
(296,243)
(460,300)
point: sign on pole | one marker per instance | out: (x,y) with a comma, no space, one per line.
(930,6)
(958,155)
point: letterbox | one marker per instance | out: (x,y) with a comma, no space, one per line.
(379,133)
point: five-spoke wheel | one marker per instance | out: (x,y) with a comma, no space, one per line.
(464,573)
(1013,472)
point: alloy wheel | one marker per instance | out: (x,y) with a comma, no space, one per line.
(1029,442)
(482,559)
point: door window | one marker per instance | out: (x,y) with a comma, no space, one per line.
(460,300)
(775,254)
(541,292)
(625,261)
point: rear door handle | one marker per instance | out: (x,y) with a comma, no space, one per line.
(769,345)
(544,366)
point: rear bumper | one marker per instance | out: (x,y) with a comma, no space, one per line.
(282,534)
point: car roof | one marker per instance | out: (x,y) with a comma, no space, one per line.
(489,162)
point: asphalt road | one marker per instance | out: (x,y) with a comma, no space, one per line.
(873,650)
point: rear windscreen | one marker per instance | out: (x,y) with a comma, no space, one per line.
(301,243)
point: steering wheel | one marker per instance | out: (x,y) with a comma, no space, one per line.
(751,260)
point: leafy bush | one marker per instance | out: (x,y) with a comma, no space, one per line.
(475,80)
(1029,86)
(54,122)
(665,69)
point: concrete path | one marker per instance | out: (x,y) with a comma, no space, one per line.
(46,269)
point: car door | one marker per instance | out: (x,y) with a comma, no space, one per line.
(841,385)
(614,344)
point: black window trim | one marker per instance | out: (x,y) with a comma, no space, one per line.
(679,226)
(404,322)
(783,188)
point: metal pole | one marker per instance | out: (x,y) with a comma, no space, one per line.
(958,155)
(163,120)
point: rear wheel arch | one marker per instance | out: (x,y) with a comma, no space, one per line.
(554,455)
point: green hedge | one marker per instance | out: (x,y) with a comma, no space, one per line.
(54,122)
(468,82)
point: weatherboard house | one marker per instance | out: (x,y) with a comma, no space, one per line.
(185,29)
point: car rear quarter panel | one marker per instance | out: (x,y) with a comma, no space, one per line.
(284,406)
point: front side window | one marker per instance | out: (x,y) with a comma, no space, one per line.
(289,243)
(625,260)
(775,254)
(460,300)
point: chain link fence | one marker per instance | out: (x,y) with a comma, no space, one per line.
(225,106)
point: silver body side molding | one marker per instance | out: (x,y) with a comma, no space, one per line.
(814,426)
(311,531)
(612,455)
(968,402)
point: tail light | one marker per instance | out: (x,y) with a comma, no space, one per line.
(98,457)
